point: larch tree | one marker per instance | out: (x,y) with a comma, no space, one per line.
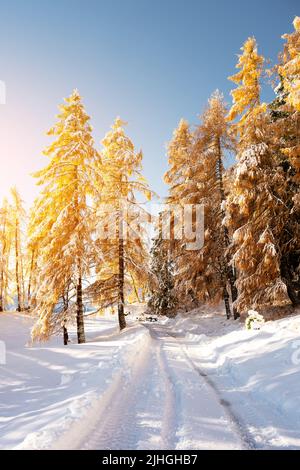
(178,151)
(289,71)
(18,221)
(255,208)
(63,220)
(216,139)
(196,271)
(123,262)
(196,178)
(285,128)
(179,160)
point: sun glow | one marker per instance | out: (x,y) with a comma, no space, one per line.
(20,152)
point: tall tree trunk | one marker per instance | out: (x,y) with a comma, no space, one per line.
(226,302)
(224,277)
(66,306)
(121,314)
(231,276)
(66,335)
(5,288)
(79,304)
(30,279)
(17,254)
(3,265)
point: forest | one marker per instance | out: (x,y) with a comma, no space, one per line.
(68,256)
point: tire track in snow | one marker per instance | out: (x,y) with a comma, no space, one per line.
(186,390)
(238,425)
(140,414)
(170,422)
(252,437)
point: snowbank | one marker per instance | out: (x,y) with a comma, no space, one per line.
(255,373)
(48,388)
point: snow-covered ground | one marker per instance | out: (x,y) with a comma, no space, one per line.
(254,374)
(193,382)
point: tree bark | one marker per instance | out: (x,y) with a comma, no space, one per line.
(3,267)
(66,336)
(65,298)
(226,302)
(121,314)
(80,320)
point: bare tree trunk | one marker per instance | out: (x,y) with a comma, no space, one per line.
(17,254)
(66,335)
(121,314)
(3,267)
(80,320)
(231,276)
(66,306)
(226,302)
(79,303)
(22,281)
(30,279)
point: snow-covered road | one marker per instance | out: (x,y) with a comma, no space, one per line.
(162,402)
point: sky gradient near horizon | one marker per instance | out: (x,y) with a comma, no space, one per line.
(149,61)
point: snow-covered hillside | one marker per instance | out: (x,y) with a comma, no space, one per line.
(194,382)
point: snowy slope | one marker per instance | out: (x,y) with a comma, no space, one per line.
(47,388)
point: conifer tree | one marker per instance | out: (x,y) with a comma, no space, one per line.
(179,160)
(217,139)
(286,137)
(246,97)
(162,293)
(290,67)
(255,206)
(289,71)
(124,253)
(63,219)
(196,178)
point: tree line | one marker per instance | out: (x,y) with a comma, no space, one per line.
(70,250)
(251,254)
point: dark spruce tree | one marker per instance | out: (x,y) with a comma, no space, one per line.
(162,295)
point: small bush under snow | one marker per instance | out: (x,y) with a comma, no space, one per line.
(254,320)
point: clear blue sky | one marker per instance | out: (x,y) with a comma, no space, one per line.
(149,61)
